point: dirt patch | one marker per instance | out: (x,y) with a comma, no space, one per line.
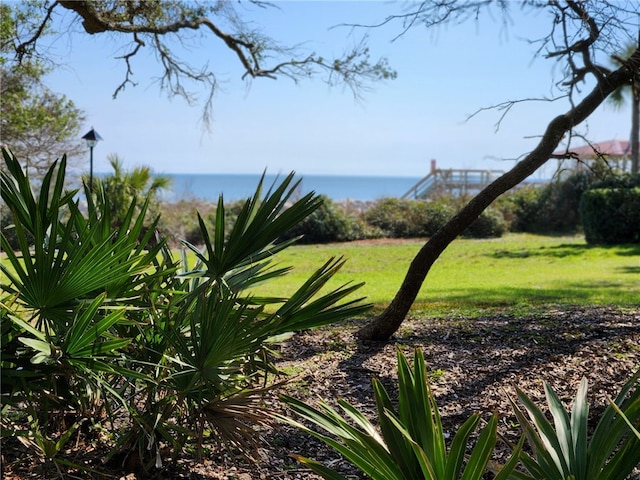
(474,364)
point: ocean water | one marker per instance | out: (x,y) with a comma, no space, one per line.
(240,186)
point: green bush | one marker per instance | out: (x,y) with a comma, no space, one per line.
(611,215)
(520,207)
(330,223)
(627,180)
(553,208)
(409,218)
(559,210)
(179,221)
(394,217)
(490,224)
(437,213)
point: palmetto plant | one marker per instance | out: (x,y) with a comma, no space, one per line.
(97,321)
(122,187)
(565,450)
(60,339)
(410,442)
(214,335)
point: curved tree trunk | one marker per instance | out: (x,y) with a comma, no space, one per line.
(635,126)
(385,325)
(635,116)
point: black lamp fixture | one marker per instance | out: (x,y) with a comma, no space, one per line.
(92,137)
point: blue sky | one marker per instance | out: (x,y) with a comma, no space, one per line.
(394,130)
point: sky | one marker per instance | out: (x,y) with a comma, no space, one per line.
(396,129)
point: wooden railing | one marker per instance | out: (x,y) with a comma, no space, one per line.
(452,182)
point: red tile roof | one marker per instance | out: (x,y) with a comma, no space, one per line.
(610,148)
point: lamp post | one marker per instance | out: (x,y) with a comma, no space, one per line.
(92,137)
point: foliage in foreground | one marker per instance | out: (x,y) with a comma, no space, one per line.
(566,450)
(410,441)
(101,325)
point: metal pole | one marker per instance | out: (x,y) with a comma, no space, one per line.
(91,169)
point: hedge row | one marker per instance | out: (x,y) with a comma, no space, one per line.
(611,215)
(334,222)
(609,212)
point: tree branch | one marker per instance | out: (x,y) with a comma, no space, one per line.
(151,22)
(23,48)
(127,59)
(505,107)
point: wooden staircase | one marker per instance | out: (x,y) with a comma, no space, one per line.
(451,182)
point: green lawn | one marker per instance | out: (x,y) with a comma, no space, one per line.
(517,270)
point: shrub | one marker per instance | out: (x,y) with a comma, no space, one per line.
(179,221)
(330,223)
(394,217)
(627,180)
(559,211)
(409,218)
(553,208)
(490,224)
(437,213)
(611,215)
(520,207)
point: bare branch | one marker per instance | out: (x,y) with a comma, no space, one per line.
(127,58)
(505,107)
(30,44)
(583,46)
(173,69)
(435,13)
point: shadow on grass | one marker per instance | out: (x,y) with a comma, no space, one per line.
(565,250)
(629,269)
(575,293)
(450,304)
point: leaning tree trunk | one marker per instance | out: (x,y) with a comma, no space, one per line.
(635,125)
(385,325)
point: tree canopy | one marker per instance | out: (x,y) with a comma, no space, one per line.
(35,122)
(632,90)
(162,26)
